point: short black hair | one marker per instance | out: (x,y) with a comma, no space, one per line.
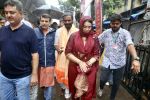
(67,14)
(17,3)
(46,16)
(115,17)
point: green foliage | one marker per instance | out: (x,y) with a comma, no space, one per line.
(75,3)
(109,6)
(70,4)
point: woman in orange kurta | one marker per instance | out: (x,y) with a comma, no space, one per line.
(83,52)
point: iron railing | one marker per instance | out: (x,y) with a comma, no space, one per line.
(138,85)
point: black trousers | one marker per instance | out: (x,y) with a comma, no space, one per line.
(117,76)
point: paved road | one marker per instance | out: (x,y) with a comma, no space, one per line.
(122,93)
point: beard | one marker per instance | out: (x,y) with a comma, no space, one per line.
(68,26)
(115,29)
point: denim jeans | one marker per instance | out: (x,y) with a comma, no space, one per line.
(117,76)
(110,79)
(14,89)
(48,93)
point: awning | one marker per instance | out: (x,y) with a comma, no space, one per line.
(106,22)
(135,16)
(134,11)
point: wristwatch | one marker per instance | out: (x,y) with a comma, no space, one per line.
(137,58)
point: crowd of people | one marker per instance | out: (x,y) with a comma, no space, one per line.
(31,58)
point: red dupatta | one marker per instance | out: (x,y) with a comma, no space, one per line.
(79,45)
(76,46)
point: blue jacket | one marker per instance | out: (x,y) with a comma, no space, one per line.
(46,47)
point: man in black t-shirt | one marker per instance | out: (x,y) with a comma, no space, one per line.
(19,57)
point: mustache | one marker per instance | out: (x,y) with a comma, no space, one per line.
(67,24)
(44,25)
(114,27)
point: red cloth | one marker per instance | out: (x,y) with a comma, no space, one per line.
(46,76)
(84,52)
(82,21)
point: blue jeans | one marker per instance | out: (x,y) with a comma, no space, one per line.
(14,89)
(117,76)
(48,93)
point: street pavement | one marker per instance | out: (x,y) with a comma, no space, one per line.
(121,95)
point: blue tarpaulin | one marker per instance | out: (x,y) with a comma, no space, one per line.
(136,15)
(106,24)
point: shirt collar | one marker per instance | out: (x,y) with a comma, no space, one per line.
(49,30)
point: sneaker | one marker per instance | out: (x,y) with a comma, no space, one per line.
(107,83)
(100,92)
(67,95)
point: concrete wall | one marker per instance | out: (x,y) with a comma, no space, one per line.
(127,5)
(139,31)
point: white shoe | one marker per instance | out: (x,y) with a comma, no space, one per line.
(100,92)
(107,83)
(67,95)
